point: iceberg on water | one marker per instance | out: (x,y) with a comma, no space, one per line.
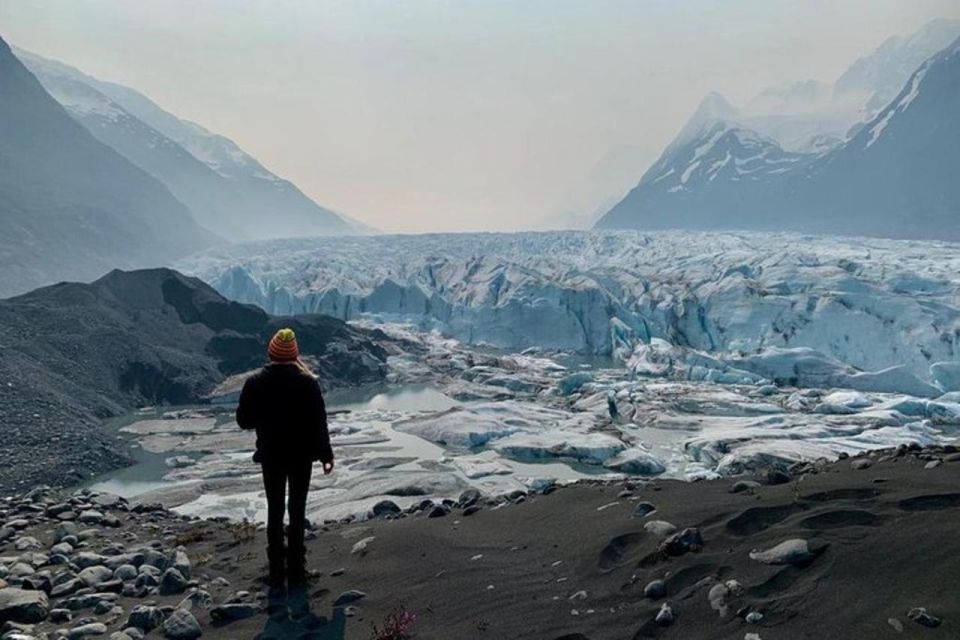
(589,448)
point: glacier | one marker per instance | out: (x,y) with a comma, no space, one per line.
(542,358)
(865,313)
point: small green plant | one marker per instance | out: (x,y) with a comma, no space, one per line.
(397,625)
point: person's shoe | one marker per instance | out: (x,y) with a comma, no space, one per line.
(277,577)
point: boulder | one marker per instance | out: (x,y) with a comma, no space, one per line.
(18,605)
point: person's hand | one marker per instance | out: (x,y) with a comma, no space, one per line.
(327,468)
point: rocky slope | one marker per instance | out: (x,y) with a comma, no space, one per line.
(70,206)
(76,353)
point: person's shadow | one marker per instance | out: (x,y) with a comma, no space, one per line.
(289,618)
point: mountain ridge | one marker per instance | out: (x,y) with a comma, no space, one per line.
(72,206)
(226,188)
(890,178)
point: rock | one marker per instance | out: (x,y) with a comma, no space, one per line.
(933,464)
(61,548)
(745,486)
(154,558)
(87,630)
(90,517)
(469,498)
(796,552)
(125,572)
(107,500)
(103,607)
(60,615)
(18,605)
(21,569)
(67,587)
(861,463)
(472,509)
(146,580)
(199,599)
(87,600)
(578,596)
(922,617)
(643,509)
(660,528)
(717,596)
(895,624)
(754,617)
(385,508)
(181,562)
(361,547)
(172,582)
(438,511)
(145,618)
(665,616)
(94,576)
(775,476)
(349,597)
(680,543)
(86,559)
(27,543)
(63,530)
(655,589)
(231,612)
(181,625)
(37,582)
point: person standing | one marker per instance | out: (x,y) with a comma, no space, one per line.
(284,404)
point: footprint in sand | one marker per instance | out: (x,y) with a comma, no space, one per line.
(934,502)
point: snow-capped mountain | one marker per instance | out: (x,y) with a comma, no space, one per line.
(891,178)
(878,77)
(227,189)
(70,206)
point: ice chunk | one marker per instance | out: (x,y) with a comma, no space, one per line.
(636,461)
(946,375)
(591,448)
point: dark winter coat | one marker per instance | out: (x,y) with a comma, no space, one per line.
(285,406)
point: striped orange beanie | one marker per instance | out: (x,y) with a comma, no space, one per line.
(283,346)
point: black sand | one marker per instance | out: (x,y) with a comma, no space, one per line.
(884,537)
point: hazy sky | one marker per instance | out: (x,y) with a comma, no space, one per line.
(457,115)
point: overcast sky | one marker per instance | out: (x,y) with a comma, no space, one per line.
(458,115)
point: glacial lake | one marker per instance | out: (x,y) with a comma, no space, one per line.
(373,405)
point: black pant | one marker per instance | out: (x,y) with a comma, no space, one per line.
(275,479)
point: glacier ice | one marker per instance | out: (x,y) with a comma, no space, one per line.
(866,314)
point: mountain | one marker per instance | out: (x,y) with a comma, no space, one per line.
(878,77)
(894,177)
(70,206)
(76,353)
(227,189)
